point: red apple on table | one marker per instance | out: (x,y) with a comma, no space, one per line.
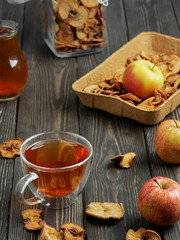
(167,141)
(159,201)
(142,78)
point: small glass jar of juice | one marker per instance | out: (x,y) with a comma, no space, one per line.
(13,64)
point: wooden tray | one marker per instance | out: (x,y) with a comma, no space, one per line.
(149,42)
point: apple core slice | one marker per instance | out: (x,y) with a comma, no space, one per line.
(67,153)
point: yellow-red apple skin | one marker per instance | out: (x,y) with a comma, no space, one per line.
(160,206)
(141,79)
(167,141)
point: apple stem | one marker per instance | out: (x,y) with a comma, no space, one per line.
(157,183)
(161,56)
(175,123)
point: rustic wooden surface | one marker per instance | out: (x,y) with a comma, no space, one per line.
(49,103)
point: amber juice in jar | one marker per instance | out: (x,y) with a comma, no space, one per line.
(13,65)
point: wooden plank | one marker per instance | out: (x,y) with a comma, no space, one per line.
(163,15)
(111,136)
(8,112)
(150,16)
(46,105)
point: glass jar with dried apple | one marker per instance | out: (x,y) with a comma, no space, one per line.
(13,65)
(73,27)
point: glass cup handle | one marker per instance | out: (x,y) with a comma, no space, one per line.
(21,187)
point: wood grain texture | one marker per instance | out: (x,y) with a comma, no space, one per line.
(48,103)
(8,114)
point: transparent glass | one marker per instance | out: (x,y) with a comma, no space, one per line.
(54,187)
(73,28)
(13,65)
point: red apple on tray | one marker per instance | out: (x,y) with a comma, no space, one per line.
(159,201)
(142,78)
(167,141)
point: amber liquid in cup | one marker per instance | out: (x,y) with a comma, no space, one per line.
(56,179)
(13,65)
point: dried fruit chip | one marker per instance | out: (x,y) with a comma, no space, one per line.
(130,96)
(106,210)
(91,88)
(90,3)
(64,35)
(70,236)
(31,218)
(142,234)
(125,161)
(118,76)
(145,56)
(49,233)
(169,91)
(138,235)
(177,84)
(78,17)
(152,235)
(67,7)
(55,6)
(105,85)
(147,104)
(169,64)
(72,231)
(92,12)
(173,78)
(11,148)
(80,34)
(158,100)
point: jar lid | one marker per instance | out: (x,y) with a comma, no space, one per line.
(104,2)
(8,28)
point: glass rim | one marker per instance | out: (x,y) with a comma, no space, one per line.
(9,24)
(37,167)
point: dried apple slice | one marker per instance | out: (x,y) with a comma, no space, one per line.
(145,56)
(106,210)
(49,233)
(78,17)
(67,153)
(72,231)
(138,235)
(67,7)
(90,3)
(169,64)
(173,78)
(152,235)
(91,25)
(130,96)
(158,100)
(80,34)
(11,148)
(91,88)
(142,234)
(92,12)
(147,104)
(169,91)
(55,6)
(65,34)
(74,44)
(177,84)
(124,161)
(105,85)
(31,218)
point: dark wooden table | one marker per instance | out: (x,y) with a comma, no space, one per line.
(49,103)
